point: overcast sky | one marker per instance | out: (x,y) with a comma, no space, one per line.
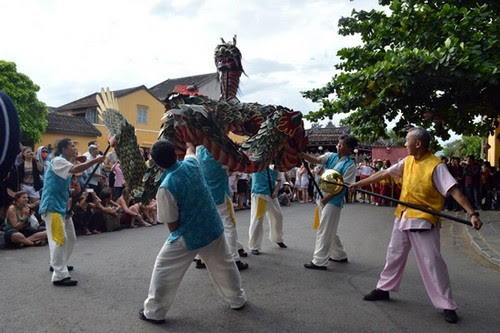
(73,48)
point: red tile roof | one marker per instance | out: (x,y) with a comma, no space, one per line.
(163,89)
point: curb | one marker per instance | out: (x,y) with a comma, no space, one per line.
(481,246)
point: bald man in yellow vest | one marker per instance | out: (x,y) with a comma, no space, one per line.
(425,182)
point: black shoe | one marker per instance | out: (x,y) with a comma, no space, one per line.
(282,245)
(450,316)
(313,266)
(152,321)
(242,253)
(339,260)
(241,265)
(255,252)
(66,282)
(377,295)
(199,264)
(239,308)
(70,268)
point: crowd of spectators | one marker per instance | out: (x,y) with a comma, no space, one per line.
(477,179)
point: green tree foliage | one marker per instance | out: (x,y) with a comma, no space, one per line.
(396,139)
(468,145)
(32,113)
(432,64)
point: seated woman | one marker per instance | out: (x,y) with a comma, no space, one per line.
(149,212)
(106,211)
(132,213)
(18,230)
(82,217)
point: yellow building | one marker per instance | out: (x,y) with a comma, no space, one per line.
(141,108)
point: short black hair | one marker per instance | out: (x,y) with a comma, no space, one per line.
(105,193)
(163,153)
(63,143)
(349,140)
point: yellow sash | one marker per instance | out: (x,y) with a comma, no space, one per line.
(261,207)
(231,210)
(56,228)
(316,219)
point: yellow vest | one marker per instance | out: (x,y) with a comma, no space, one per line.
(418,188)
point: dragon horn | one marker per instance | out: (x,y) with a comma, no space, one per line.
(296,118)
(222,40)
(234,40)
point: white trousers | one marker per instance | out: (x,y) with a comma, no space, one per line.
(171,265)
(275,218)
(226,212)
(426,246)
(328,243)
(59,254)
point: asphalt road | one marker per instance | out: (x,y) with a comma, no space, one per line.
(113,270)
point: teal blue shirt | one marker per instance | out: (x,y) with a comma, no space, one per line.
(332,162)
(215,175)
(261,180)
(198,218)
(55,192)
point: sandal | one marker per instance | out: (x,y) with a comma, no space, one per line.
(40,242)
(19,245)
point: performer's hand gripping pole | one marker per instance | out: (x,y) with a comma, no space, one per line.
(312,177)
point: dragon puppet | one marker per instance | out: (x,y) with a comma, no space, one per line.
(274,134)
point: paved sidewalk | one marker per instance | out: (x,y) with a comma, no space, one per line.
(487,240)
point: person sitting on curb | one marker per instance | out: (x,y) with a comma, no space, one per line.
(18,230)
(130,213)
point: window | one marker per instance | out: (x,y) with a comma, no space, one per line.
(91,115)
(142,115)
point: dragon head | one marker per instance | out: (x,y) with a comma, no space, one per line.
(228,57)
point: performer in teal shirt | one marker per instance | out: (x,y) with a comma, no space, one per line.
(187,207)
(218,184)
(53,208)
(328,246)
(265,187)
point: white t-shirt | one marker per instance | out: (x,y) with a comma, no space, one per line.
(365,170)
(61,167)
(94,180)
(168,211)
